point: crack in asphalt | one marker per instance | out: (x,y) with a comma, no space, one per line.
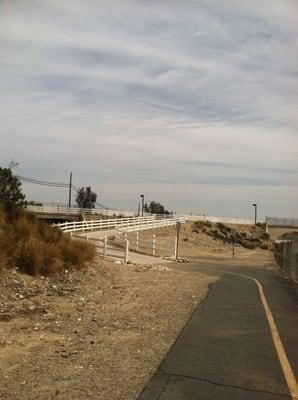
(182,377)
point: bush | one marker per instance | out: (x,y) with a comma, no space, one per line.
(223,228)
(35,247)
(265,236)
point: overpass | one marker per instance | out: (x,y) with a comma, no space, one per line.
(65,213)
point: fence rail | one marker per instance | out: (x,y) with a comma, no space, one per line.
(282,222)
(154,245)
(139,225)
(122,224)
(225,220)
(107,250)
(56,209)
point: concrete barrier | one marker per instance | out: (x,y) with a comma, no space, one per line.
(286,256)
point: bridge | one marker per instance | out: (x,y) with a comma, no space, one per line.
(65,213)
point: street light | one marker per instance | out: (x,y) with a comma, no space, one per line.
(142,197)
(256,208)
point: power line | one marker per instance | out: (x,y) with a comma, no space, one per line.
(54,184)
(40,182)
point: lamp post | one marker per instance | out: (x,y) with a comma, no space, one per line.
(69,190)
(256,208)
(142,198)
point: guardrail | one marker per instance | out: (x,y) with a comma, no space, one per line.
(224,220)
(139,225)
(154,245)
(282,222)
(107,251)
(56,209)
(122,224)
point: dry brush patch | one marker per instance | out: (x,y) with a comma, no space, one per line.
(35,247)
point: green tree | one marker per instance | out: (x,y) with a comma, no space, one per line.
(85,198)
(155,208)
(10,190)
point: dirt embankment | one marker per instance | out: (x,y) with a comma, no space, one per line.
(205,239)
(92,334)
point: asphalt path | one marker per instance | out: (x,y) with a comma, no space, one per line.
(226,351)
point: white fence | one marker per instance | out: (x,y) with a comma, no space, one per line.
(286,222)
(224,220)
(121,224)
(56,209)
(107,251)
(139,225)
(154,245)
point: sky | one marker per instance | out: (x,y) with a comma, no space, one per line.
(192,103)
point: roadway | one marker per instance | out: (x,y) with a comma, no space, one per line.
(227,350)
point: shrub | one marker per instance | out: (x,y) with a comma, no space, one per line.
(223,228)
(38,248)
(76,252)
(265,236)
(30,256)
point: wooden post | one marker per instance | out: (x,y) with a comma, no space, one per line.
(104,247)
(153,244)
(126,251)
(137,242)
(175,251)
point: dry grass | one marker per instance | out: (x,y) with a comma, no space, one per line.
(35,247)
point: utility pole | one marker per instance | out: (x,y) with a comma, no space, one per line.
(69,192)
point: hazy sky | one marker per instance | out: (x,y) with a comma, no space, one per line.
(193,103)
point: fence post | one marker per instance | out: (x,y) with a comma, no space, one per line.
(175,255)
(153,244)
(137,242)
(104,252)
(126,251)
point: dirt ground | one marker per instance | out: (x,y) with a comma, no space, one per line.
(95,334)
(199,245)
(101,333)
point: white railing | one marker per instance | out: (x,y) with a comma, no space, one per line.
(279,221)
(56,209)
(224,220)
(107,251)
(154,245)
(122,224)
(140,225)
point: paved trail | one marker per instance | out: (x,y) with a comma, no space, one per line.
(227,351)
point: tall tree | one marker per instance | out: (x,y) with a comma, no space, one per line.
(155,208)
(85,198)
(10,190)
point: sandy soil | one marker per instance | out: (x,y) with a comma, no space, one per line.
(95,334)
(101,333)
(199,245)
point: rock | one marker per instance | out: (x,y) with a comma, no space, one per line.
(117,262)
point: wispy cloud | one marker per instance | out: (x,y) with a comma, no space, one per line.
(138,93)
